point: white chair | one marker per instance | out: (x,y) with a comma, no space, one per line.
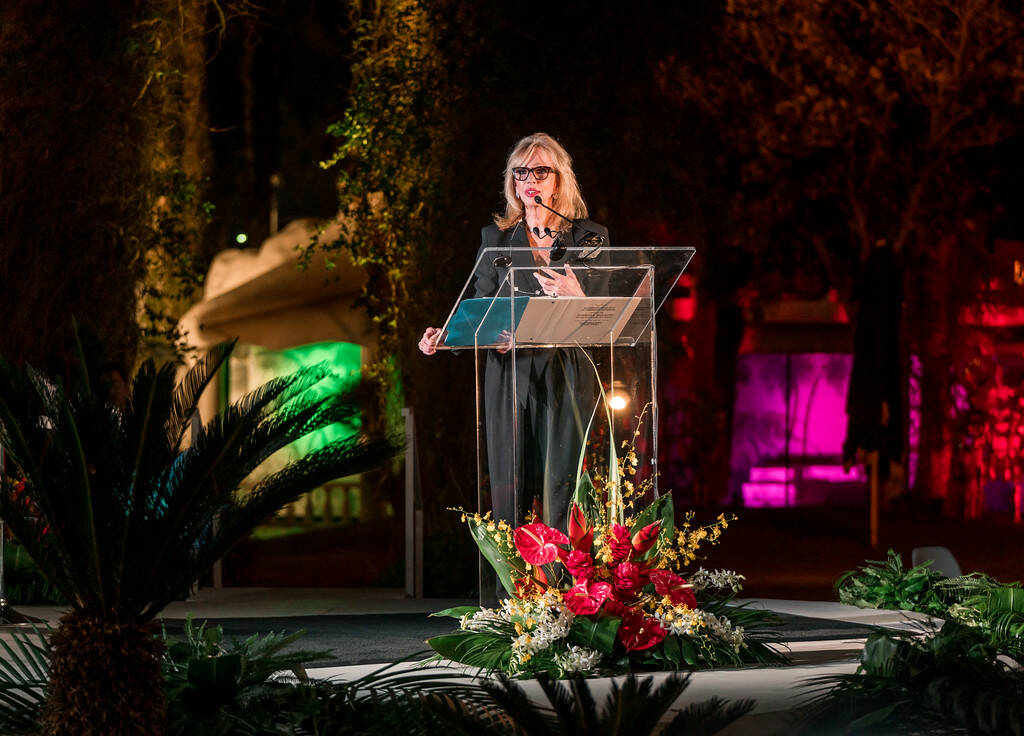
(942,560)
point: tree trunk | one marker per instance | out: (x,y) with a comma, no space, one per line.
(105,678)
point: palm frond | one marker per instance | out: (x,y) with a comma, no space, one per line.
(117,514)
(635,706)
(528,717)
(186,394)
(588,716)
(335,460)
(707,717)
(563,701)
(24,674)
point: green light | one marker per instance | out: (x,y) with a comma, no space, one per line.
(345,360)
(252,365)
(241,238)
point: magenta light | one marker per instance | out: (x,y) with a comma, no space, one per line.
(767,495)
(834,473)
(787,410)
(913,419)
(771,474)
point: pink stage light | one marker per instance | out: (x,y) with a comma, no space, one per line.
(835,473)
(767,495)
(771,474)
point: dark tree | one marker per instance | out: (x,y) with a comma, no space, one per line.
(853,125)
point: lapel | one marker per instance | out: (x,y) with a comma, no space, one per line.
(522,260)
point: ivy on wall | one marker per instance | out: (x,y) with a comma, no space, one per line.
(389,159)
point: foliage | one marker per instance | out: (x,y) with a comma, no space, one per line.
(217,687)
(634,706)
(968,673)
(949,681)
(237,687)
(24,583)
(103,209)
(873,106)
(24,675)
(391,143)
(123,507)
(995,612)
(123,500)
(887,585)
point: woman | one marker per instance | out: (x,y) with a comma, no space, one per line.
(554,387)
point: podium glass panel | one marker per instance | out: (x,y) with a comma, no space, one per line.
(562,382)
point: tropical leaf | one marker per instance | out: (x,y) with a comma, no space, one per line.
(509,567)
(886,584)
(634,706)
(473,648)
(597,632)
(587,497)
(457,612)
(121,517)
(707,717)
(185,396)
(24,674)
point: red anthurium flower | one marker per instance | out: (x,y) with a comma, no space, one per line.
(644,539)
(620,543)
(579,564)
(640,632)
(676,588)
(581,533)
(617,608)
(537,543)
(628,578)
(585,597)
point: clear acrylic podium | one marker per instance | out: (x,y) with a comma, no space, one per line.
(557,379)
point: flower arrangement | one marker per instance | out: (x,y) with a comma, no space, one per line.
(609,596)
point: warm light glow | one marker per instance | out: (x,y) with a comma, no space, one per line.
(618,402)
(241,238)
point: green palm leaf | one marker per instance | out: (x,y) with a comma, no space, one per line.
(24,669)
(117,514)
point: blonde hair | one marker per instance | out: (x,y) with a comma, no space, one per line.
(567,196)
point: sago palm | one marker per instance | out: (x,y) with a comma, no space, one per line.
(123,507)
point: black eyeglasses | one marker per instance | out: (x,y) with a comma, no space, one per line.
(540,173)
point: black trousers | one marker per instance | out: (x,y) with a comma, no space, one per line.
(555,393)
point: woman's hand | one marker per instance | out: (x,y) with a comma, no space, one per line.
(556,284)
(428,343)
(506,342)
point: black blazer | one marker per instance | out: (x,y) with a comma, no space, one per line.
(489,276)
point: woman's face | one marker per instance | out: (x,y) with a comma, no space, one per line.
(527,190)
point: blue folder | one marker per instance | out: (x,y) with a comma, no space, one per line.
(472,311)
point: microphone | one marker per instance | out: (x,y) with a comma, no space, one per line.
(558,248)
(592,240)
(540,200)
